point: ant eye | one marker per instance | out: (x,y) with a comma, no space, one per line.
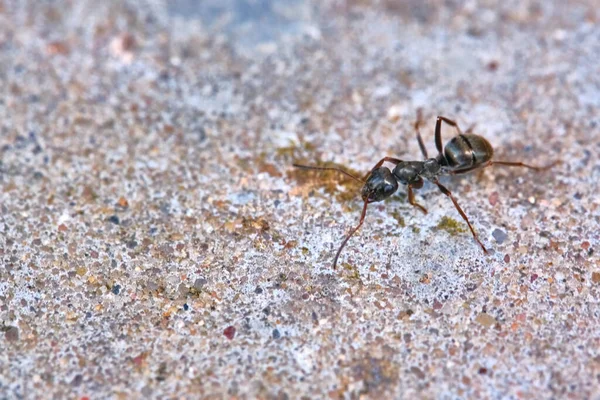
(389,189)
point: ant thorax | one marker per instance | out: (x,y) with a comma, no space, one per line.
(408,172)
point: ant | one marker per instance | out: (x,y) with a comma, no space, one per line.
(464,153)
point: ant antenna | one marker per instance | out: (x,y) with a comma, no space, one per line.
(329,169)
(352,232)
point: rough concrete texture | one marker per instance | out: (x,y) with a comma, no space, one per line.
(156,242)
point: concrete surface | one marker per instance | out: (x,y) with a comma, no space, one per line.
(155,241)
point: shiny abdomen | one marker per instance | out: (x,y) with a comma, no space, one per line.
(465,151)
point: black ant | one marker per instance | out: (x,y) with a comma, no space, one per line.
(464,153)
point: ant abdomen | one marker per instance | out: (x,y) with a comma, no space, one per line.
(467,150)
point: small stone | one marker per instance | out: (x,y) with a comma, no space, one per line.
(56,48)
(62,228)
(506,258)
(276,334)
(123,47)
(493,199)
(114,219)
(77,380)
(499,235)
(199,283)
(229,332)
(485,319)
(417,372)
(11,334)
(394,113)
(596,277)
(116,289)
(493,66)
(534,277)
(122,202)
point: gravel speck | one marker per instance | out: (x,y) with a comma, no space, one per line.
(499,235)
(229,332)
(11,334)
(199,283)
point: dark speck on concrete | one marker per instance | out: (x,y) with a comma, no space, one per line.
(276,334)
(499,235)
(199,283)
(258,290)
(114,219)
(12,334)
(77,380)
(186,307)
(116,289)
(229,332)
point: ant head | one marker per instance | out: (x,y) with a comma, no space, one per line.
(379,185)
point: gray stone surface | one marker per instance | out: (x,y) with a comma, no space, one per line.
(156,242)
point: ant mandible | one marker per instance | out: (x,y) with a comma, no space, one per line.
(464,153)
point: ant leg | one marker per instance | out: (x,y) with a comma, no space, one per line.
(329,169)
(411,200)
(465,170)
(505,163)
(419,138)
(438,131)
(461,212)
(392,160)
(352,232)
(520,164)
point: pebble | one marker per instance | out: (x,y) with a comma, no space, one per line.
(499,235)
(485,319)
(229,332)
(199,283)
(11,334)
